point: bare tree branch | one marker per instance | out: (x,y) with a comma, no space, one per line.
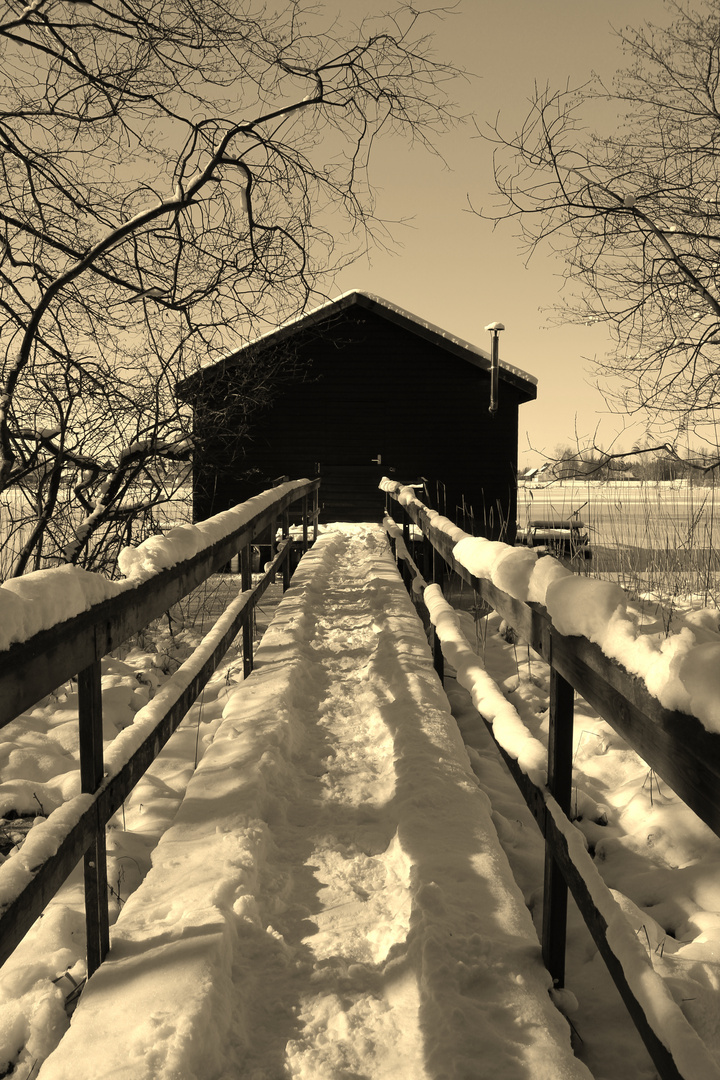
(633,210)
(176,177)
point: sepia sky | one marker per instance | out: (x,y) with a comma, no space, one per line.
(450,266)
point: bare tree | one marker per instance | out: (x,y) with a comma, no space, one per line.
(633,207)
(175,177)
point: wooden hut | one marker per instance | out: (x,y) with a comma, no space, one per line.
(369,390)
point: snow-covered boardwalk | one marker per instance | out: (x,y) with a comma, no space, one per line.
(331,901)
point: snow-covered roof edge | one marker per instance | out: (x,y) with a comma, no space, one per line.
(473,353)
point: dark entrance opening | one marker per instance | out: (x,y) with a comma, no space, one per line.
(351,492)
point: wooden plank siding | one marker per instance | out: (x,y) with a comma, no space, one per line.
(369,383)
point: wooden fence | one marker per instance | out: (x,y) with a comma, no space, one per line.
(32,669)
(675,745)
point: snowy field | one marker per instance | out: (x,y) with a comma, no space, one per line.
(330,898)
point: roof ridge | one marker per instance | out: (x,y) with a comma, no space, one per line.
(372,301)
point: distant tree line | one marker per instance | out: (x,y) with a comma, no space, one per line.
(643,462)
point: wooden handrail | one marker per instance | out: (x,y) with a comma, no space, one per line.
(31,669)
(676,745)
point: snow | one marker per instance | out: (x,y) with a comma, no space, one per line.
(330,892)
(582,606)
(184,541)
(127,723)
(511,733)
(39,772)
(654,994)
(331,898)
(545,572)
(147,718)
(44,598)
(41,842)
(509,568)
(487,698)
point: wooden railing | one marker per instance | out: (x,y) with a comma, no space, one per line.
(675,745)
(31,669)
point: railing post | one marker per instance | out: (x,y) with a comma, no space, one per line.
(273,543)
(401,520)
(304,523)
(286,561)
(316,512)
(91,776)
(246,584)
(436,574)
(406,530)
(560,747)
(427,550)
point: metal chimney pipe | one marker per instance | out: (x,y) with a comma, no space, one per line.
(494,329)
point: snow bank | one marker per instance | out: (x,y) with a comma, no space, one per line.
(680,669)
(331,899)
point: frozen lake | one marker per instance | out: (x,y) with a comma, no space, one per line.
(661,538)
(662,516)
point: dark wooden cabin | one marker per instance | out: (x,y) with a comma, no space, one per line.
(369,390)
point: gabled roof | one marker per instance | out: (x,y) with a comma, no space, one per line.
(423,329)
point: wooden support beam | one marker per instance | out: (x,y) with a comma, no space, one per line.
(315,512)
(91,777)
(555,892)
(246,585)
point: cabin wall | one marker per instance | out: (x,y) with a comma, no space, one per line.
(373,389)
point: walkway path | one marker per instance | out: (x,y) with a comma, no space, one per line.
(331,902)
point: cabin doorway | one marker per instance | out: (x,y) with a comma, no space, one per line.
(352,492)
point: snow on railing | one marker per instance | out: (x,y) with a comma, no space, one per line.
(681,669)
(40,600)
